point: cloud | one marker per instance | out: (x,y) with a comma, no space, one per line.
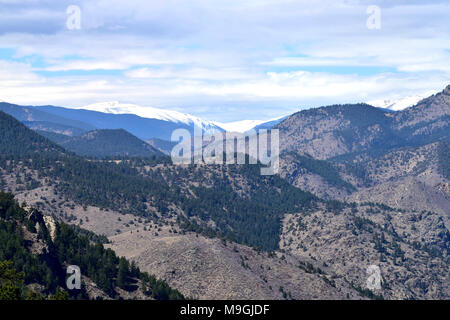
(222,59)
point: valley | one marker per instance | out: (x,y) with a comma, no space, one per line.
(358,186)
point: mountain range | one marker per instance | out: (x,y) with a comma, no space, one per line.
(401,103)
(358,186)
(146,122)
(104,143)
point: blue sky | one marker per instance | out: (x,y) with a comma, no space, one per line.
(222,60)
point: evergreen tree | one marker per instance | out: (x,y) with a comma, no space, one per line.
(122,276)
(11,281)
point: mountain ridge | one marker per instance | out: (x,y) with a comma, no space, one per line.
(116,107)
(109,143)
(179,222)
(332,131)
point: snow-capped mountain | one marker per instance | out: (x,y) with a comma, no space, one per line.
(144,122)
(239,126)
(399,104)
(246,125)
(208,127)
(116,107)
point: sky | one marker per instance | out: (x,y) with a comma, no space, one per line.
(222,60)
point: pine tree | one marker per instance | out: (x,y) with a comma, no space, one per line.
(124,270)
(10,282)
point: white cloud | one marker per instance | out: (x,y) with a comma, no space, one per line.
(14,73)
(223,59)
(270,95)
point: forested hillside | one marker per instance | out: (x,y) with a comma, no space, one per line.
(108,143)
(251,218)
(32,257)
(19,141)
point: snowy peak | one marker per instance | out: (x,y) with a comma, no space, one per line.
(239,126)
(246,125)
(116,107)
(209,127)
(399,104)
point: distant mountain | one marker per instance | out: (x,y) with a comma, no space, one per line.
(426,122)
(239,126)
(144,122)
(246,125)
(17,140)
(41,120)
(153,113)
(270,123)
(158,123)
(108,143)
(143,128)
(337,130)
(398,104)
(330,131)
